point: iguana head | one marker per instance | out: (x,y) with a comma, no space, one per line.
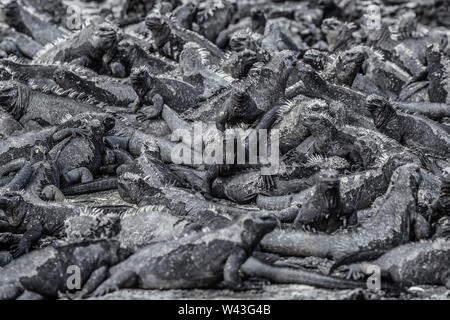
(446,175)
(310,78)
(258,20)
(336,32)
(354,56)
(9,203)
(104,38)
(380,109)
(141,80)
(38,153)
(240,41)
(328,190)
(133,188)
(8,93)
(254,226)
(154,22)
(318,123)
(65,77)
(315,58)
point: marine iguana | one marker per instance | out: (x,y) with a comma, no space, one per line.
(391,221)
(266,86)
(40,107)
(34,217)
(420,263)
(438,75)
(169,38)
(198,71)
(338,34)
(69,80)
(214,17)
(92,47)
(410,130)
(20,145)
(156,91)
(45,273)
(229,247)
(25,22)
(326,211)
(132,55)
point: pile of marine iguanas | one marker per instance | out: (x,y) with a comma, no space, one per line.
(91,108)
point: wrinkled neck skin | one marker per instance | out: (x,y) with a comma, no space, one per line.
(328,202)
(14,215)
(17,106)
(382,115)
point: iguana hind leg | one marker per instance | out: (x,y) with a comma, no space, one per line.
(82,175)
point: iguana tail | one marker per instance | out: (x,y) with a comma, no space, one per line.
(254,267)
(89,187)
(357,257)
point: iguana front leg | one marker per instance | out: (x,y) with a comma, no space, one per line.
(231,276)
(34,232)
(95,279)
(125,279)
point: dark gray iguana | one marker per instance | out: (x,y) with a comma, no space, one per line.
(197,261)
(391,221)
(45,273)
(421,263)
(43,106)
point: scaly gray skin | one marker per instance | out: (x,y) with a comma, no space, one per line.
(434,111)
(19,146)
(256,23)
(8,125)
(254,267)
(79,150)
(338,34)
(70,80)
(275,40)
(54,10)
(40,108)
(132,55)
(226,250)
(93,47)
(410,130)
(441,207)
(266,86)
(149,167)
(20,42)
(238,108)
(90,187)
(134,140)
(40,74)
(391,221)
(438,75)
(421,263)
(169,38)
(34,218)
(177,94)
(214,17)
(198,71)
(25,22)
(238,64)
(44,272)
(325,211)
(185,15)
(344,68)
(314,86)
